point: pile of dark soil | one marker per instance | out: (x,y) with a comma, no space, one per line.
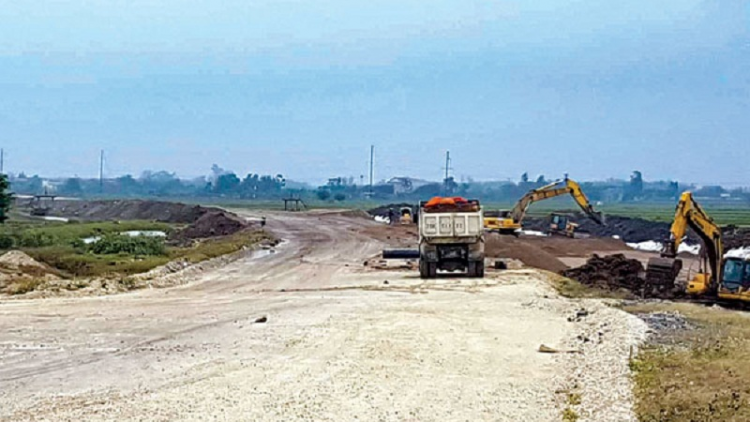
(628,229)
(168,212)
(212,224)
(203,222)
(611,272)
(735,237)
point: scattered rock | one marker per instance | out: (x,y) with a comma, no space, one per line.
(261,320)
(580,314)
(666,321)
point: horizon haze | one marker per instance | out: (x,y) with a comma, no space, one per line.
(303,89)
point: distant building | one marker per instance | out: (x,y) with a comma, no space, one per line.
(405,185)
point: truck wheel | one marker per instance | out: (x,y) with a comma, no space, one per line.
(480,269)
(424,269)
(471,269)
(475,269)
(432,267)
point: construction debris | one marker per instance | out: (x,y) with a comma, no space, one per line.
(550,350)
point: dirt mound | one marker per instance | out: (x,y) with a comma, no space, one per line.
(212,224)
(628,229)
(18,259)
(204,222)
(168,212)
(20,272)
(561,246)
(611,272)
(531,255)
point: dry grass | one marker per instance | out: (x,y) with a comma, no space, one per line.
(703,375)
(575,290)
(24,286)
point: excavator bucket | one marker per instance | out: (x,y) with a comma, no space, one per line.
(661,274)
(598,217)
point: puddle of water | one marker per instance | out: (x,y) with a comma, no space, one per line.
(131,233)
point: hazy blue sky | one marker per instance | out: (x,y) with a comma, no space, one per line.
(593,88)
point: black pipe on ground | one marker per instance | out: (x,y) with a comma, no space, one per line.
(400,253)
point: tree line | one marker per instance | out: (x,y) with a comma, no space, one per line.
(222,183)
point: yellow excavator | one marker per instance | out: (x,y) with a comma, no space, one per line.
(509,221)
(718,276)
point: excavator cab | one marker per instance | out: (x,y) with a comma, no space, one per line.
(560,224)
(406,217)
(736,274)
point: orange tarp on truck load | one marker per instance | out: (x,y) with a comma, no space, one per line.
(439,200)
(450,204)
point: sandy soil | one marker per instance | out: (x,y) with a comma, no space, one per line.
(341,342)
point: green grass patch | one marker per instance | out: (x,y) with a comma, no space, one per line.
(60,246)
(42,234)
(701,375)
(118,244)
(74,262)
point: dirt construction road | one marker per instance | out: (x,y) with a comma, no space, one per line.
(339,344)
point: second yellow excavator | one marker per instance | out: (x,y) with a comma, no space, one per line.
(719,276)
(509,222)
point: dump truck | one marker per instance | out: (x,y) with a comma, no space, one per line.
(451,237)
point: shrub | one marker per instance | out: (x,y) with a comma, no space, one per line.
(7,242)
(35,239)
(120,244)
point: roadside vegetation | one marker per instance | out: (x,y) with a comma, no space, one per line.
(109,251)
(695,375)
(573,289)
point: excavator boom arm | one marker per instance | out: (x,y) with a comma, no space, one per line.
(690,214)
(551,191)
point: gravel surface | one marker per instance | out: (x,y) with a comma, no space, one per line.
(606,337)
(337,343)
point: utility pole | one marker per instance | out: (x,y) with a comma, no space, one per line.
(372,164)
(2,161)
(448,169)
(101,172)
(447,164)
